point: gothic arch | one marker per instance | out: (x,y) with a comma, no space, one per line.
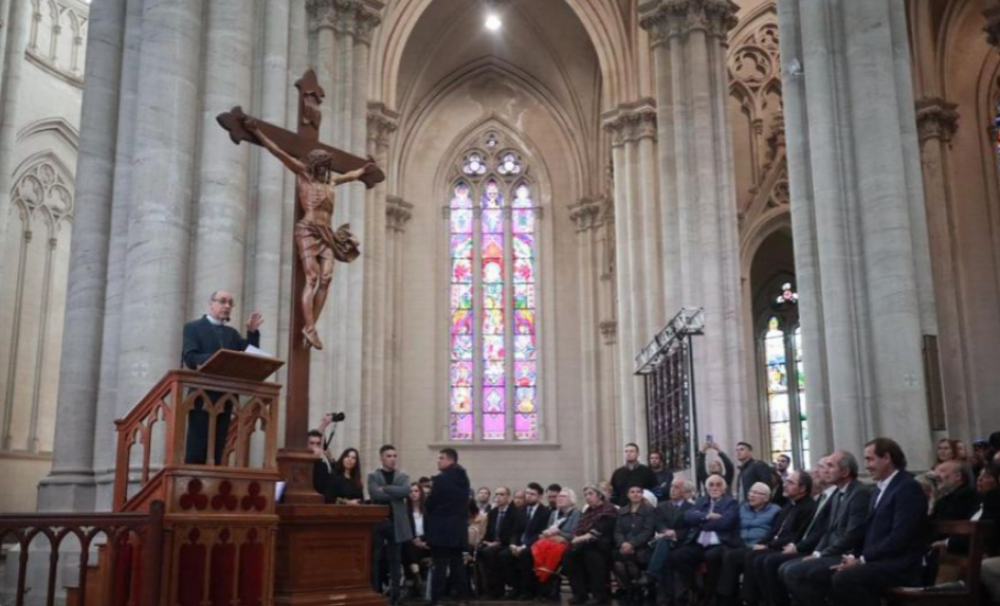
(601,19)
(572,139)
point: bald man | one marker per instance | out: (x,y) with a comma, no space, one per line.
(202,338)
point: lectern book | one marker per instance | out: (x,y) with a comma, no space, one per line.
(240,365)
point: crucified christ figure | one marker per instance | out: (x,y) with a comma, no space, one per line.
(318,244)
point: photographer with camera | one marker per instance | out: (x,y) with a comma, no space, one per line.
(318,443)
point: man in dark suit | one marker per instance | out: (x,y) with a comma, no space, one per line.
(500,525)
(956,498)
(531,521)
(896,538)
(671,532)
(202,338)
(766,568)
(446,526)
(713,524)
(788,528)
(750,471)
(808,579)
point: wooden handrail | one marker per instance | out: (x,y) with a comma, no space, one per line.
(118,529)
(170,401)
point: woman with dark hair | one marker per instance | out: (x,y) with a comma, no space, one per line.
(345,483)
(415,551)
(586,560)
(946,450)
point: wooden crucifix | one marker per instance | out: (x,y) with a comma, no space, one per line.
(318,246)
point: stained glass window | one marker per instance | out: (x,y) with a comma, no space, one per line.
(493,301)
(784,380)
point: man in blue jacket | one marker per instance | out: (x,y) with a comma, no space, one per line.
(446,525)
(713,524)
(896,539)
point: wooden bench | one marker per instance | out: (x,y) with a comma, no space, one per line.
(951,567)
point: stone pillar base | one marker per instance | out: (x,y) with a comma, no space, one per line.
(66,492)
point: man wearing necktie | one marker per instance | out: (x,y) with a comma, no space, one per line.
(896,538)
(500,526)
(808,579)
(520,567)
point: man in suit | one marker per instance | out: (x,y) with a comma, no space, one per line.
(750,471)
(768,580)
(713,524)
(446,526)
(808,580)
(956,498)
(202,338)
(390,486)
(671,532)
(789,528)
(500,525)
(896,537)
(532,520)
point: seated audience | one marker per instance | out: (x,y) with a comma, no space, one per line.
(716,462)
(518,501)
(788,528)
(548,550)
(477,526)
(608,492)
(956,499)
(980,455)
(633,531)
(552,495)
(988,510)
(632,473)
(482,499)
(766,568)
(345,482)
(945,451)
(670,531)
(808,579)
(586,560)
(757,518)
(664,476)
(895,539)
(500,525)
(713,524)
(415,551)
(520,568)
(929,484)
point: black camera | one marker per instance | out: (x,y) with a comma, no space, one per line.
(337,417)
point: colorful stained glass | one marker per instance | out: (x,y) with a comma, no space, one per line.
(461,427)
(461,271)
(524,270)
(522,197)
(461,419)
(461,296)
(493,321)
(461,221)
(524,245)
(494,373)
(784,384)
(494,426)
(526,427)
(524,321)
(461,399)
(493,347)
(461,246)
(494,399)
(461,347)
(461,374)
(523,221)
(525,400)
(461,322)
(524,347)
(524,296)
(525,374)
(493,295)
(493,271)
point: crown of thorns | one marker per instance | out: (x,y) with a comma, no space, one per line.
(318,157)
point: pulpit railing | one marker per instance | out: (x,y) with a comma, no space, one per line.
(151,438)
(83,559)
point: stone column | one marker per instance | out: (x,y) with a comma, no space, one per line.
(587,217)
(859,221)
(163,171)
(69,487)
(17,28)
(221,208)
(640,294)
(381,123)
(4,30)
(121,200)
(271,174)
(698,202)
(397,214)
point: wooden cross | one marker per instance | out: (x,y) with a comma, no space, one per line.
(295,461)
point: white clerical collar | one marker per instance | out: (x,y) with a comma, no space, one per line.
(884,483)
(214,321)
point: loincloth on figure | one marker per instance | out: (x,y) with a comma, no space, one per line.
(320,241)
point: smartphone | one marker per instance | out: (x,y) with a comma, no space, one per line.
(708,438)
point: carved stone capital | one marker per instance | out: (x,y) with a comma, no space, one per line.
(382,122)
(587,214)
(356,18)
(992,28)
(666,19)
(609,330)
(936,119)
(397,213)
(631,122)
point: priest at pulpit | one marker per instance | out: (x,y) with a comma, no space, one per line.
(202,338)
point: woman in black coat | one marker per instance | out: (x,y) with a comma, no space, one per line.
(446,524)
(633,531)
(345,481)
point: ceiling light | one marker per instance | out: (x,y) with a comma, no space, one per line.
(493,22)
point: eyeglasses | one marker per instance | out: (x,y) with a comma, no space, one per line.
(229,302)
